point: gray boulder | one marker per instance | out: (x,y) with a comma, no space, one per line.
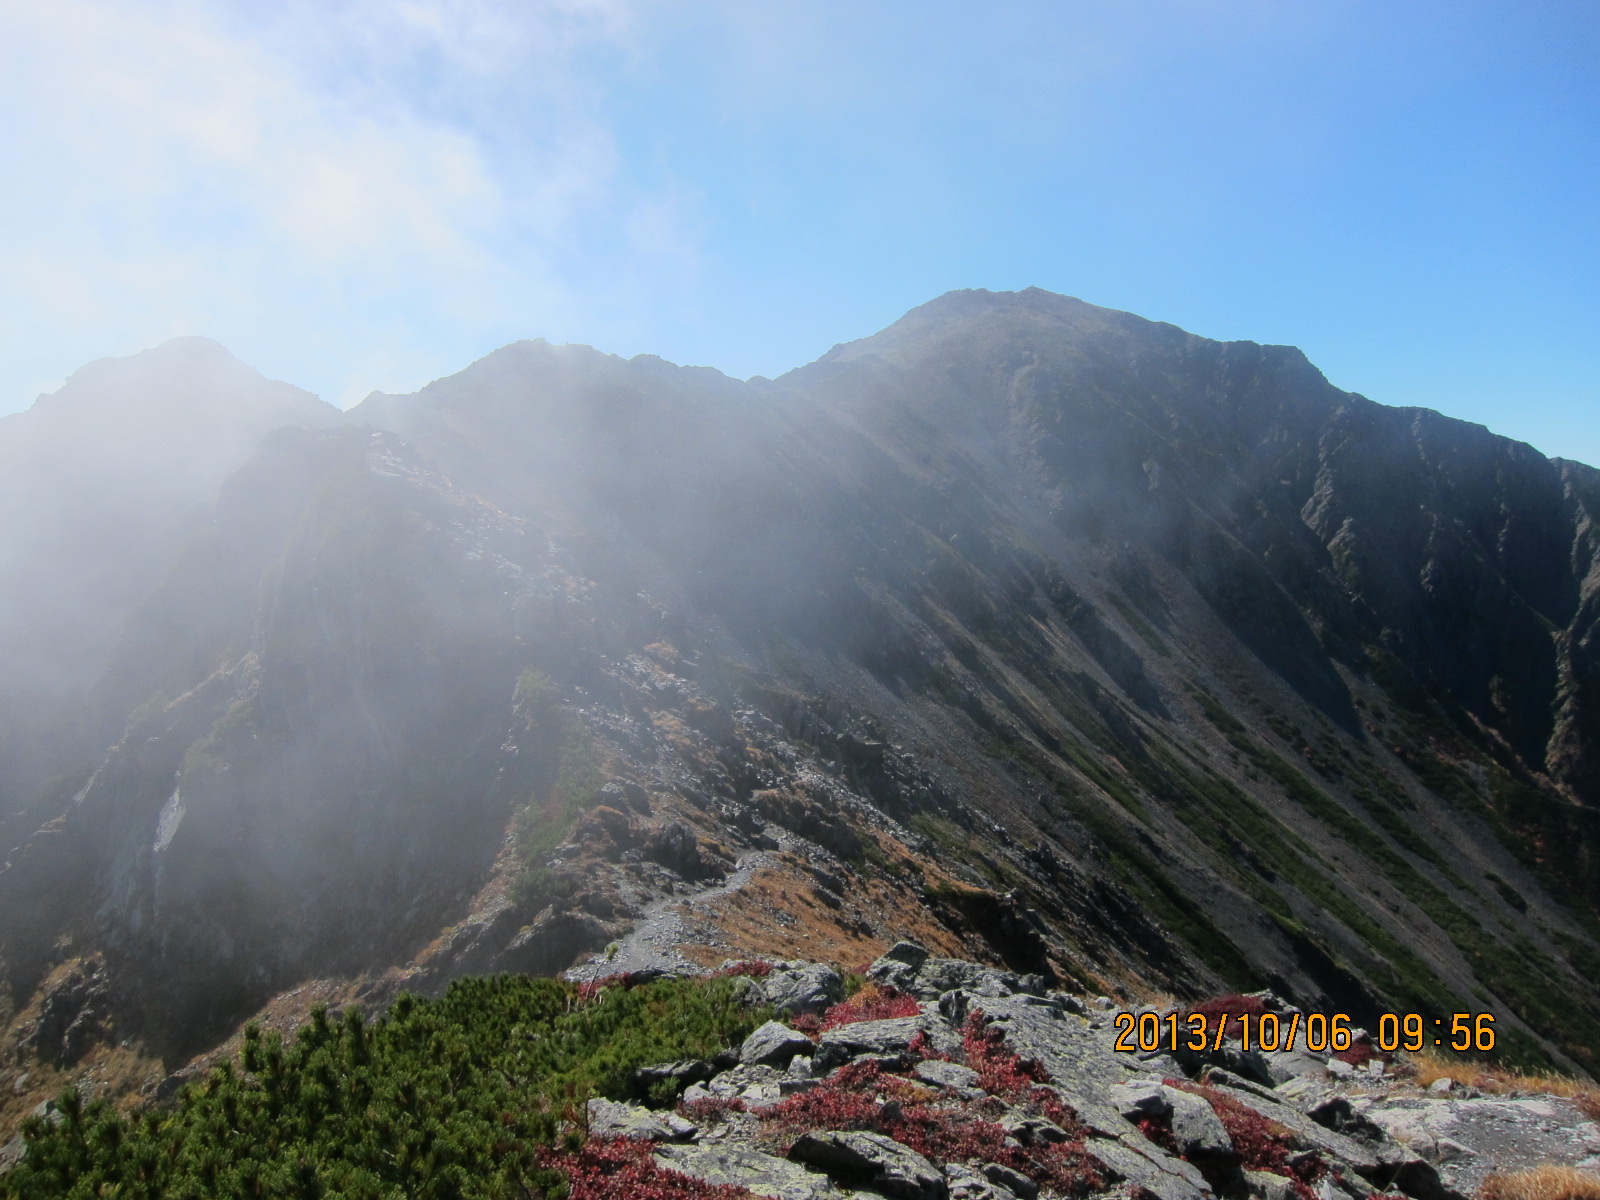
(740,1166)
(898,966)
(1196,1127)
(793,988)
(887,1039)
(608,1118)
(773,1045)
(1136,1100)
(873,1160)
(1015,1182)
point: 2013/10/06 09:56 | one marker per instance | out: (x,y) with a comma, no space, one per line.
(1317,1032)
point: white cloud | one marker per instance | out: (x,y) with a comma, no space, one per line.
(299,176)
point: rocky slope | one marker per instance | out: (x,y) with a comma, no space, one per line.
(1039,632)
(936,1079)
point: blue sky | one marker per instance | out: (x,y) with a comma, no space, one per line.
(357,196)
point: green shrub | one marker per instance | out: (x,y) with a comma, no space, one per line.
(451,1098)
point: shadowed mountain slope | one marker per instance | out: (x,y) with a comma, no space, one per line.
(1049,634)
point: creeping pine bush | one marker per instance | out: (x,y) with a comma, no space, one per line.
(460,1098)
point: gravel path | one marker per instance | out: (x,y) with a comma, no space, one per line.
(653,942)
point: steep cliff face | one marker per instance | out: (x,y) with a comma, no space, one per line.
(1044,632)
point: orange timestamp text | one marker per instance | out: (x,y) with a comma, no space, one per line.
(1317,1031)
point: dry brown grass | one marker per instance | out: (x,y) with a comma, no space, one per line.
(1428,1066)
(1542,1183)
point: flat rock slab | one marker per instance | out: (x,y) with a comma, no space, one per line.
(883,1039)
(740,1166)
(872,1160)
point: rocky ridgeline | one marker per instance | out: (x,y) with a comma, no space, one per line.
(946,1080)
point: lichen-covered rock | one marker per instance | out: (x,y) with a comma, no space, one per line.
(946,1074)
(609,1118)
(1015,1182)
(740,1166)
(873,1160)
(1196,1128)
(889,1038)
(795,988)
(898,966)
(774,1044)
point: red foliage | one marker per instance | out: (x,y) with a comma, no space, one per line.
(1362,1051)
(807,1023)
(755,968)
(1261,1144)
(711,1108)
(1159,1131)
(871,1003)
(862,1097)
(607,1169)
(1002,1072)
(1233,1004)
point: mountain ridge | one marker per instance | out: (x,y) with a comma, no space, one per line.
(1134,657)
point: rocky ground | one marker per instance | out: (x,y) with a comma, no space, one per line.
(945,1080)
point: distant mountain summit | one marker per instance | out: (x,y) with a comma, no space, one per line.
(100,484)
(1040,632)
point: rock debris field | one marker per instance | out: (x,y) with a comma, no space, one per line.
(945,1080)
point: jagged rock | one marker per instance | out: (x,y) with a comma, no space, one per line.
(621,794)
(1015,1182)
(1196,1127)
(740,1166)
(1338,1114)
(1284,1065)
(753,1083)
(73,1014)
(675,846)
(1078,1058)
(898,966)
(794,988)
(1029,1130)
(1137,1100)
(774,1044)
(608,1118)
(12,1153)
(873,1160)
(552,942)
(910,968)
